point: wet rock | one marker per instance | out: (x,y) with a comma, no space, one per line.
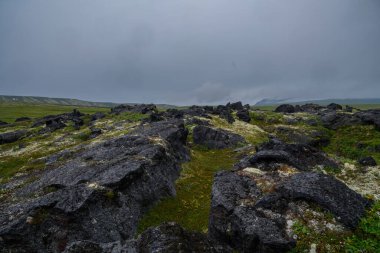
(97,116)
(98,194)
(215,138)
(285,108)
(10,137)
(334,106)
(300,156)
(21,119)
(328,192)
(244,115)
(138,108)
(367,161)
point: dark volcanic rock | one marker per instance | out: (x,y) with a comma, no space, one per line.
(334,106)
(311,108)
(367,161)
(334,120)
(3,123)
(215,138)
(286,108)
(328,192)
(10,137)
(224,112)
(237,106)
(97,115)
(300,156)
(95,132)
(98,195)
(250,220)
(168,237)
(138,108)
(315,138)
(22,119)
(240,225)
(244,115)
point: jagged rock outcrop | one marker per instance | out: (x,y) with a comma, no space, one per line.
(138,108)
(215,138)
(250,218)
(168,237)
(98,194)
(10,137)
(274,153)
(334,106)
(244,115)
(55,122)
(286,108)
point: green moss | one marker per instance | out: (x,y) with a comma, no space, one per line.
(354,142)
(130,116)
(190,208)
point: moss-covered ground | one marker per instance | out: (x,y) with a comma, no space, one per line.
(190,207)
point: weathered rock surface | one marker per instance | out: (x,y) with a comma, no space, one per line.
(235,221)
(98,195)
(97,116)
(334,106)
(286,108)
(138,108)
(55,122)
(215,138)
(315,138)
(252,220)
(300,156)
(243,115)
(168,237)
(10,137)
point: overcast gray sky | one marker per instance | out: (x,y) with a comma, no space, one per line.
(193,51)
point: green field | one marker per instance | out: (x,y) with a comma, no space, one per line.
(11,111)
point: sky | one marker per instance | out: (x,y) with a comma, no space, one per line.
(190,51)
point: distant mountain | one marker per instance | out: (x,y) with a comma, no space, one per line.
(344,101)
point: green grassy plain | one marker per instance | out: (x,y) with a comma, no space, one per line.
(11,111)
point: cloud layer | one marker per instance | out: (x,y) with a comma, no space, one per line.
(184,52)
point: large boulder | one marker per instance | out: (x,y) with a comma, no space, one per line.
(168,237)
(237,106)
(10,137)
(98,194)
(251,219)
(215,138)
(301,156)
(329,193)
(334,106)
(285,108)
(244,115)
(367,161)
(235,221)
(97,116)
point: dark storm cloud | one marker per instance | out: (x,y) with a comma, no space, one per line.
(187,52)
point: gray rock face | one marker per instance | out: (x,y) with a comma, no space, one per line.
(334,106)
(97,115)
(215,138)
(331,194)
(3,123)
(168,237)
(235,221)
(286,108)
(300,156)
(334,120)
(97,195)
(251,220)
(243,115)
(10,137)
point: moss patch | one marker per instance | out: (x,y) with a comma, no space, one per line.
(191,207)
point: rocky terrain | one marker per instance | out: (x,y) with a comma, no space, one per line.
(227,178)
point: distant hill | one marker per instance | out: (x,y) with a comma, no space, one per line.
(346,101)
(65,101)
(54,101)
